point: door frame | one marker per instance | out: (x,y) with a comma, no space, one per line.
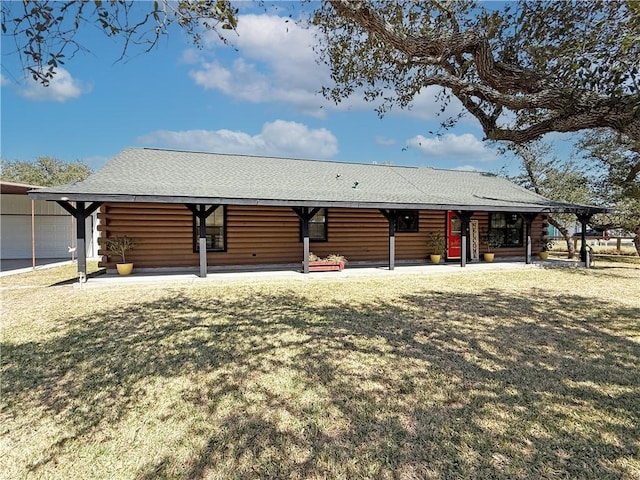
(453,241)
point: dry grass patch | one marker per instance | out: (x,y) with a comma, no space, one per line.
(46,277)
(524,374)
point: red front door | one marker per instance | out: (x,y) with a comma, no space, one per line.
(454,233)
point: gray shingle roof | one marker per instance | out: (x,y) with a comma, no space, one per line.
(144,174)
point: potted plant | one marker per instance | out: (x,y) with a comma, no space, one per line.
(120,246)
(546,244)
(436,244)
(493,240)
(332,262)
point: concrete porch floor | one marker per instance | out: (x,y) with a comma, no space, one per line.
(293,272)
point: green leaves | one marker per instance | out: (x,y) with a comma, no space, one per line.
(44,171)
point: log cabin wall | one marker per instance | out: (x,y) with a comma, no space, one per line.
(536,234)
(265,235)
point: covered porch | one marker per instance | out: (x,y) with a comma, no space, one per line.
(179,189)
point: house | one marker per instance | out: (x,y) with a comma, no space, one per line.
(190,209)
(36,229)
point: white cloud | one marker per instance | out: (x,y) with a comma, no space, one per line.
(4,81)
(463,147)
(468,168)
(277,64)
(62,87)
(281,138)
(384,141)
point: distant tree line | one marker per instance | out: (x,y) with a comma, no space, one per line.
(43,171)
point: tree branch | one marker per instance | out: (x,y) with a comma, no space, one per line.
(438,48)
(501,84)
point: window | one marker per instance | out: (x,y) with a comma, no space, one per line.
(407,221)
(317,227)
(509,228)
(216,231)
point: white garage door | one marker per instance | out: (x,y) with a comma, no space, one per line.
(53,236)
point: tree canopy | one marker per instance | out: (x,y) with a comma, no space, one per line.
(615,179)
(44,171)
(522,71)
(558,179)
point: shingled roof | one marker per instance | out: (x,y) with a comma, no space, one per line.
(168,176)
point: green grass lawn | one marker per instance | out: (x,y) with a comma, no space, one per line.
(531,373)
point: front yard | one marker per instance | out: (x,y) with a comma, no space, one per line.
(531,373)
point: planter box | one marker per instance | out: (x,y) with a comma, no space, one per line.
(325,266)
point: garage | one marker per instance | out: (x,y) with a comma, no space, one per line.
(52,227)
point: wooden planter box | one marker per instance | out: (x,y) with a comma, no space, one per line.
(325,266)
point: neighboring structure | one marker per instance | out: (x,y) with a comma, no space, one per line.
(190,209)
(33,229)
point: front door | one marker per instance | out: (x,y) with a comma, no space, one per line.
(454,233)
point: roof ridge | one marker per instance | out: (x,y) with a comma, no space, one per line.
(271,157)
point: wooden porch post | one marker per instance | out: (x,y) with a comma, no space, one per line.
(391,216)
(305,215)
(528,221)
(305,241)
(80,213)
(202,242)
(584,218)
(201,212)
(33,234)
(464,217)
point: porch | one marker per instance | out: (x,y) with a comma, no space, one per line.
(293,272)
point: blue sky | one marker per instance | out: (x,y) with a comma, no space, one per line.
(259,98)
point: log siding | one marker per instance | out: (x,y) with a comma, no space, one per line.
(268,235)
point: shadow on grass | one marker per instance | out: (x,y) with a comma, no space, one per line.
(73,280)
(427,386)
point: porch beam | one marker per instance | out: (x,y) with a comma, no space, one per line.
(552,207)
(80,212)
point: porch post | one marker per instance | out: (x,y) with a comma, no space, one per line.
(392,244)
(464,217)
(391,216)
(583,218)
(81,248)
(201,212)
(202,242)
(33,234)
(80,212)
(305,239)
(305,215)
(528,221)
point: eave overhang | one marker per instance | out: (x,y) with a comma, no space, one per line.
(493,206)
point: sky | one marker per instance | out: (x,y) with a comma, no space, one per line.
(259,96)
